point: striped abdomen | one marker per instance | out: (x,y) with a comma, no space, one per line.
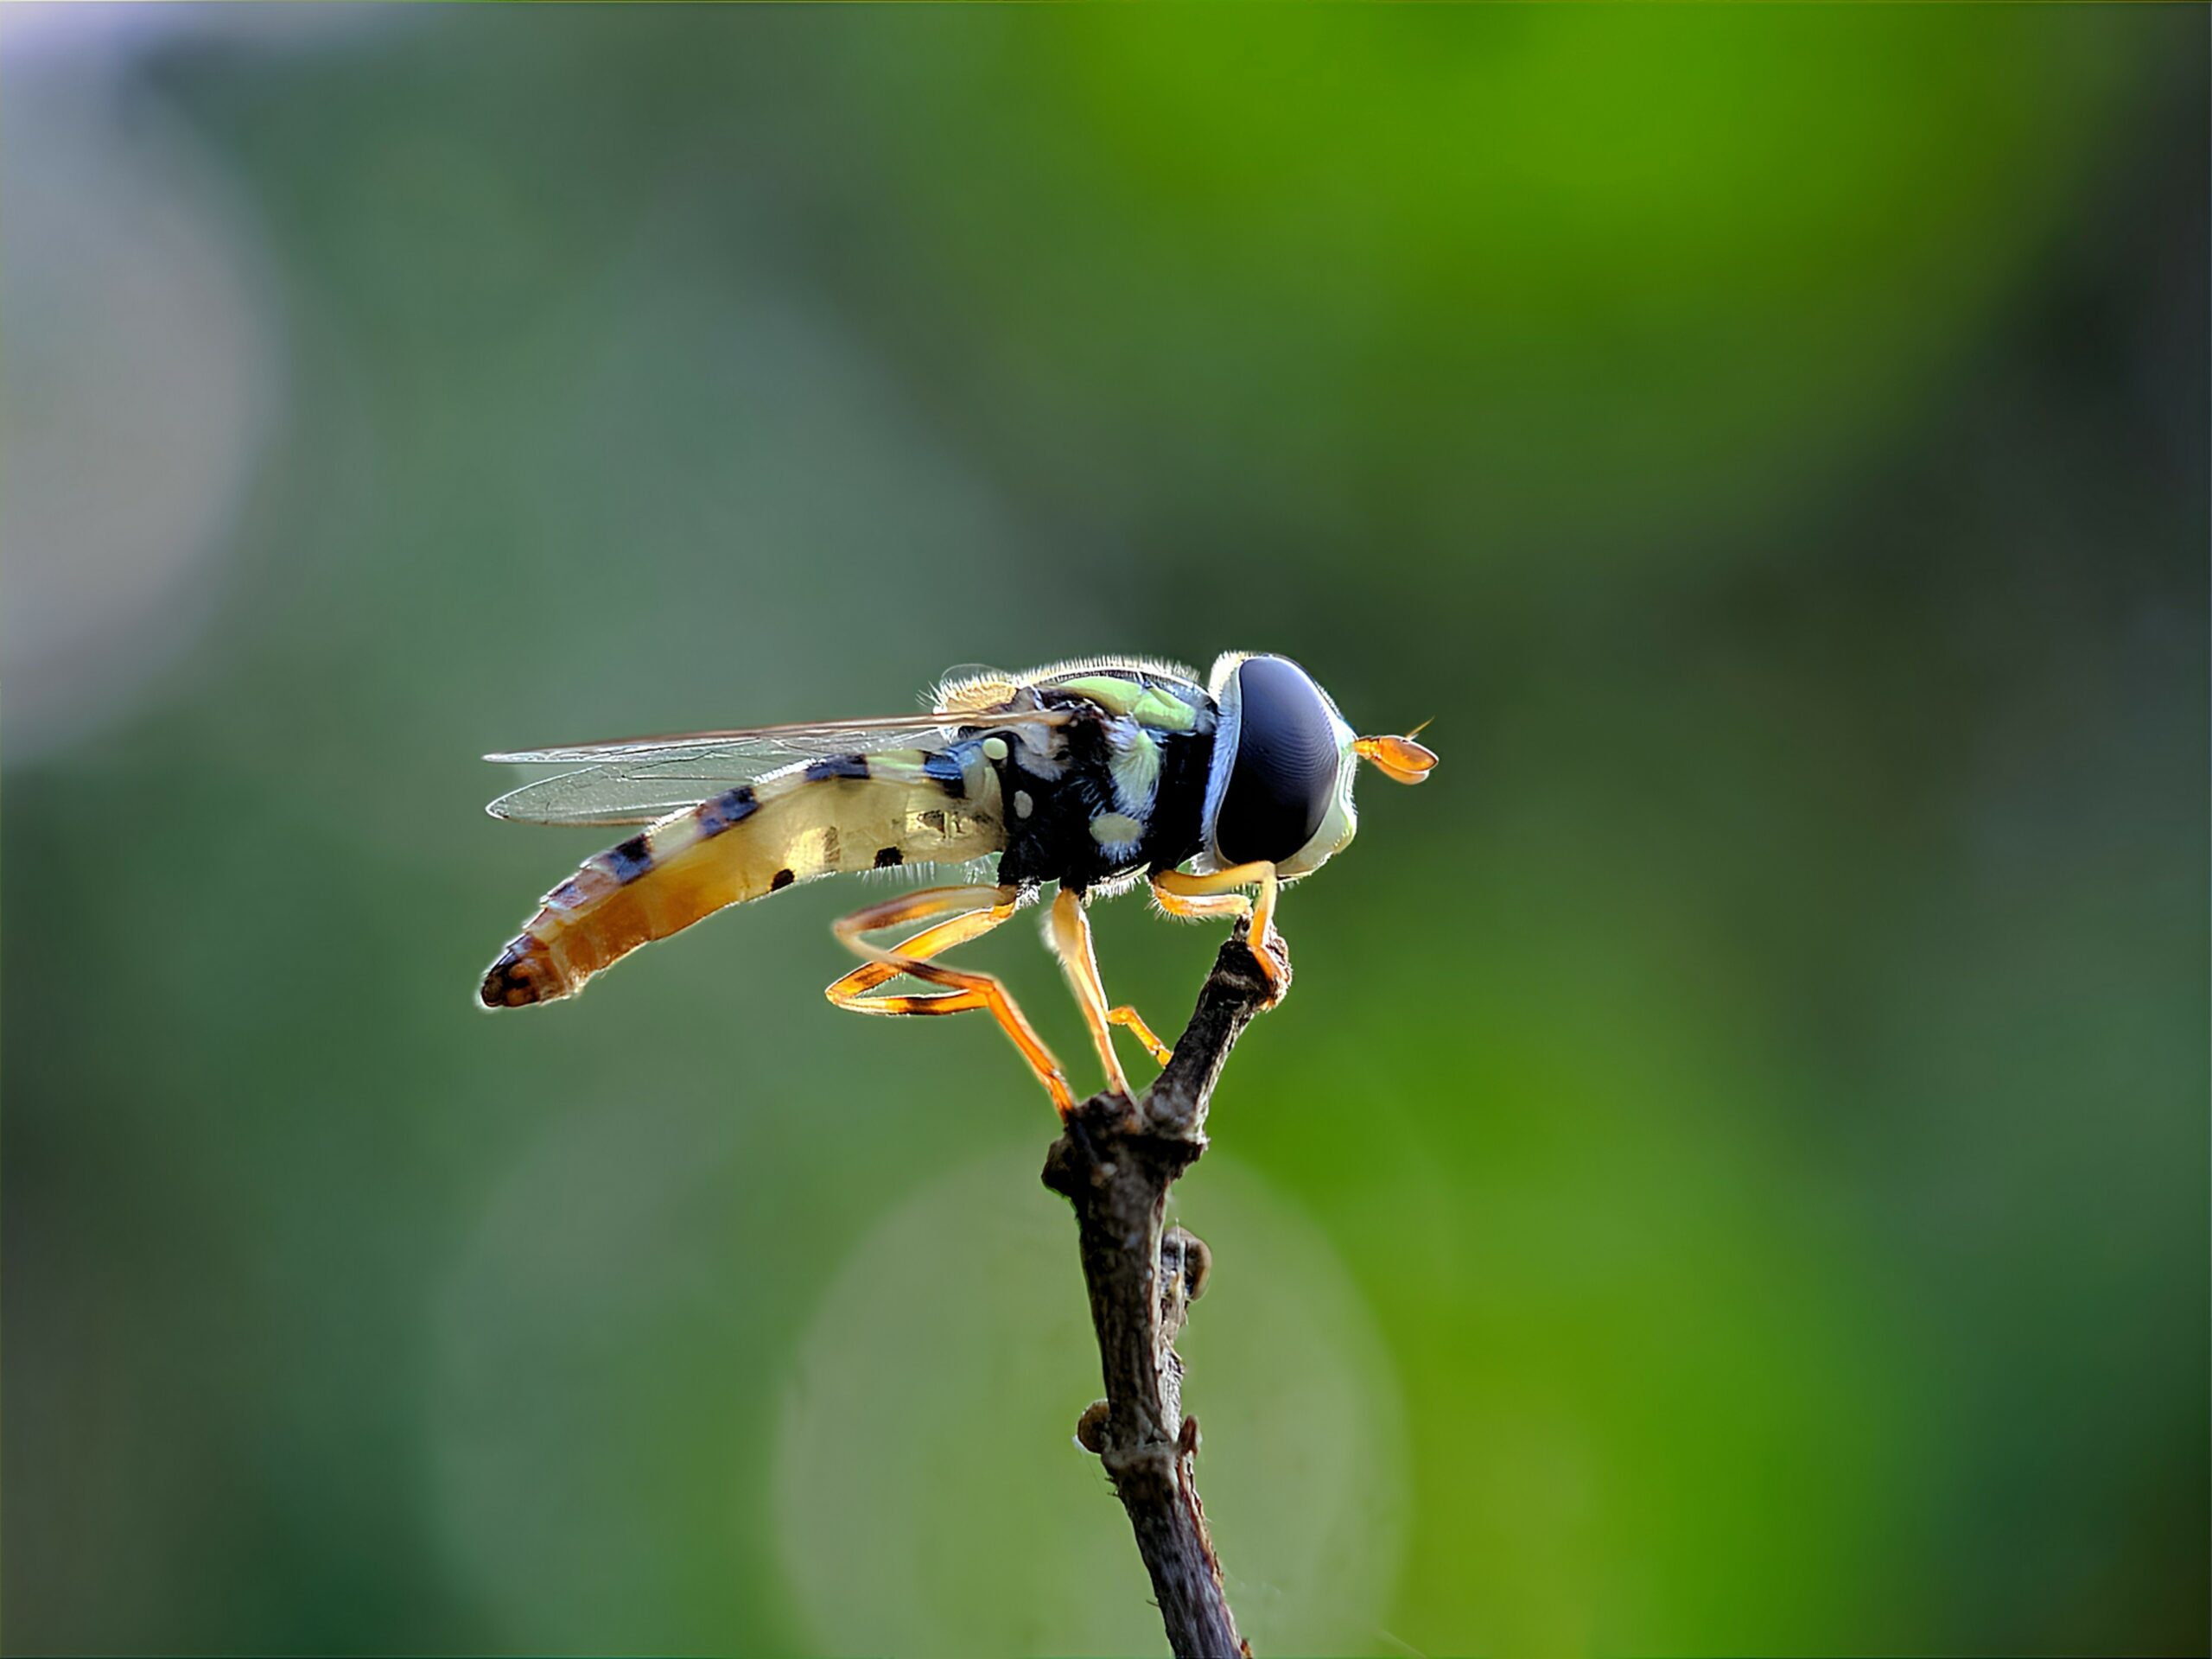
(851,812)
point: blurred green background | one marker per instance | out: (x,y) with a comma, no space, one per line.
(1732,1175)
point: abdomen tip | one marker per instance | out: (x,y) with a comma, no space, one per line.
(518,978)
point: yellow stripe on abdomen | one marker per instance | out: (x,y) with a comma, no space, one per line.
(852,812)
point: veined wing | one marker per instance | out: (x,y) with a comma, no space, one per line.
(636,780)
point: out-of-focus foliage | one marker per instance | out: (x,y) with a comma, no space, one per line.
(1731,1176)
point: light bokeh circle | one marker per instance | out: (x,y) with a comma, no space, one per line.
(146,358)
(929,1496)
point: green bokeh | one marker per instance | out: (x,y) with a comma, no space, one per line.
(1736,1151)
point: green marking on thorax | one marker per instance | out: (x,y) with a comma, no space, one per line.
(1136,768)
(1148,705)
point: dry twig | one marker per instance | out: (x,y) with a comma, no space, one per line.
(1114,1162)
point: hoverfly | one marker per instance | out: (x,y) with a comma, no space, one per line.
(1095,775)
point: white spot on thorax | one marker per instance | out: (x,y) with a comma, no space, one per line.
(1115,828)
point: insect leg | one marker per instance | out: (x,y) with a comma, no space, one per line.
(1197,897)
(1068,932)
(1126,1015)
(986,907)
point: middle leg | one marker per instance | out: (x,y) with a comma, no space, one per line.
(1068,932)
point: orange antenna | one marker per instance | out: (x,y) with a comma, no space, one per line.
(1398,759)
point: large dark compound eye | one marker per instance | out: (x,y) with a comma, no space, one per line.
(1284,775)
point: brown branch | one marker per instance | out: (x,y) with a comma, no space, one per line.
(1114,1162)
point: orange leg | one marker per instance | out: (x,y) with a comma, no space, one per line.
(1199,897)
(987,907)
(1068,930)
(1128,1016)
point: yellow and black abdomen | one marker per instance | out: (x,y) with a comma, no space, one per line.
(848,813)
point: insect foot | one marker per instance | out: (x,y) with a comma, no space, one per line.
(1270,961)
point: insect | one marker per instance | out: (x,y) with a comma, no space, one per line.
(1094,775)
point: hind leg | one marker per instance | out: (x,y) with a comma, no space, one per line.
(985,908)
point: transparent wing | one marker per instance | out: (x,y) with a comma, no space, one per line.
(635,780)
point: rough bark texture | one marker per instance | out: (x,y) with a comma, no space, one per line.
(1114,1162)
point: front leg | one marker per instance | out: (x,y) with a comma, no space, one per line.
(1199,897)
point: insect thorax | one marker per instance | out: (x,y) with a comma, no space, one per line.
(1121,789)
